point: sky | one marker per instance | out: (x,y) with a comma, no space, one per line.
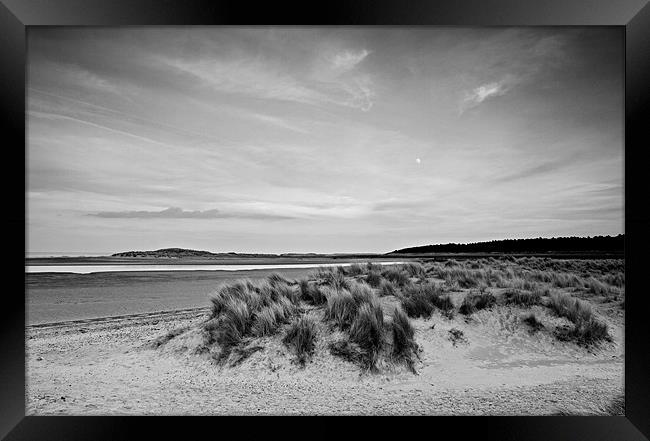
(332,139)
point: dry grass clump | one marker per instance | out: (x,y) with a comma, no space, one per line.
(521,284)
(349,351)
(457,336)
(475,301)
(288,292)
(616,279)
(522,298)
(396,275)
(466,278)
(386,288)
(357,311)
(446,305)
(344,305)
(311,292)
(336,279)
(374,278)
(595,286)
(404,346)
(268,319)
(301,336)
(461,276)
(341,308)
(277,279)
(244,309)
(573,309)
(266,322)
(234,323)
(586,328)
(355,269)
(362,293)
(534,323)
(414,269)
(585,332)
(566,280)
(367,331)
(421,300)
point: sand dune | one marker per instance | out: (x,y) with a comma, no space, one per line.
(108,366)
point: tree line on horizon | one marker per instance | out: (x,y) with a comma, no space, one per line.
(540,244)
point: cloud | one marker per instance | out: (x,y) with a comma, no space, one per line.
(488,90)
(273,121)
(536,170)
(262,80)
(179,213)
(55,116)
(347,60)
(361,93)
(246,76)
(547,167)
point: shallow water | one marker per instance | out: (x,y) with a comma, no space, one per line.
(88,269)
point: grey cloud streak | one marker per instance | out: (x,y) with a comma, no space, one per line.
(179,213)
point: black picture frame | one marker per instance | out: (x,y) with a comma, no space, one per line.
(632,15)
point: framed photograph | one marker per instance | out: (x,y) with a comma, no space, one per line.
(355,209)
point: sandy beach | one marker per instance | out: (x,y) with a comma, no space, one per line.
(108,366)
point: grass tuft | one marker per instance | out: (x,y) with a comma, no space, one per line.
(336,280)
(355,269)
(362,293)
(341,308)
(301,336)
(311,292)
(564,305)
(386,288)
(397,276)
(349,351)
(421,300)
(373,266)
(277,279)
(414,269)
(532,321)
(404,346)
(367,331)
(522,298)
(476,301)
(267,321)
(374,278)
(234,322)
(586,330)
(457,336)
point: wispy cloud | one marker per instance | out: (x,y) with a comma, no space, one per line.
(347,60)
(179,213)
(246,76)
(256,78)
(488,90)
(321,127)
(56,116)
(271,121)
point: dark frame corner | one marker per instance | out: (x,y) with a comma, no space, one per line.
(633,16)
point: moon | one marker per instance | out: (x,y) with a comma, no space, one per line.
(417,160)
